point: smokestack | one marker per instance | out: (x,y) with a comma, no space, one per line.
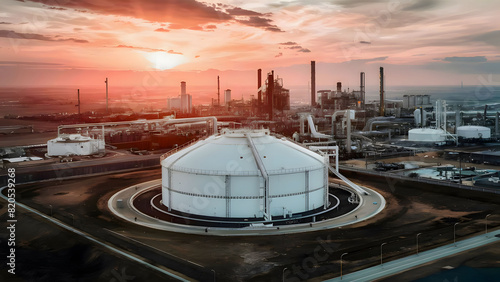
(78,91)
(422,117)
(259,85)
(362,87)
(313,83)
(218,91)
(496,124)
(382,98)
(348,132)
(106,95)
(339,87)
(485,113)
(270,91)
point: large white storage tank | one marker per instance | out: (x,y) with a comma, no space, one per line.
(426,135)
(244,174)
(473,131)
(74,145)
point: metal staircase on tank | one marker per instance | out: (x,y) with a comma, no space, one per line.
(327,152)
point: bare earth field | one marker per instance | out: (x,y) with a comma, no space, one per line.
(311,256)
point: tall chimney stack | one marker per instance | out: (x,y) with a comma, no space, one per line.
(362,88)
(270,91)
(382,98)
(218,91)
(259,94)
(313,83)
(106,95)
(78,103)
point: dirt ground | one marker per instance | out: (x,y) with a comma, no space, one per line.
(311,256)
(46,252)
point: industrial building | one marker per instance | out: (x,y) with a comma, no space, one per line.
(227,97)
(75,144)
(272,96)
(339,99)
(184,102)
(416,101)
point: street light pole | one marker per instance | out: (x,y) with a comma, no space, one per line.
(454,228)
(213,271)
(50,210)
(381,252)
(341,265)
(460,159)
(283,274)
(417,241)
(486,231)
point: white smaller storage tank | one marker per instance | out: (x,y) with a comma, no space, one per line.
(473,131)
(426,135)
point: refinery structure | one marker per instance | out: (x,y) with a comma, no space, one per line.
(343,117)
(265,176)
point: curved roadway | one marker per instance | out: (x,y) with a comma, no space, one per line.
(400,265)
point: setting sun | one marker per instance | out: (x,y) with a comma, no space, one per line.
(164,60)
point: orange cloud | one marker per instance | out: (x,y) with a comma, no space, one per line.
(33,36)
(161,29)
(188,14)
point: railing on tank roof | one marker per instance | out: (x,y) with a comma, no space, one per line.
(279,136)
(304,145)
(178,148)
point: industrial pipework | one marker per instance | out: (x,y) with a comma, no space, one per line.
(160,121)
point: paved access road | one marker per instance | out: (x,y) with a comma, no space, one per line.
(400,265)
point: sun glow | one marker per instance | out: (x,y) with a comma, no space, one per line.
(164,61)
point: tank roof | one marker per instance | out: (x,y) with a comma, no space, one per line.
(230,154)
(473,127)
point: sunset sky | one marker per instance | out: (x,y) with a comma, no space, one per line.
(161,42)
